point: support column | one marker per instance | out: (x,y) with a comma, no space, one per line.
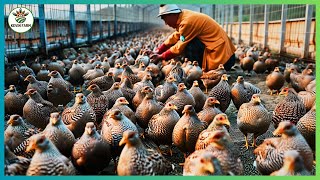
(89,24)
(42,29)
(100,24)
(73,32)
(226,11)
(251,25)
(283,27)
(266,24)
(240,11)
(309,10)
(115,24)
(231,20)
(109,28)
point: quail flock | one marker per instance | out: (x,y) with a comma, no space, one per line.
(107,109)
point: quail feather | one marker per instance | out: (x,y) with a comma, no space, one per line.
(93,73)
(181,98)
(199,97)
(126,89)
(220,122)
(98,101)
(167,89)
(201,163)
(42,75)
(307,127)
(146,81)
(17,131)
(113,93)
(292,165)
(57,132)
(15,165)
(209,111)
(161,125)
(14,101)
(222,92)
(105,82)
(291,108)
(37,110)
(254,118)
(223,149)
(271,152)
(76,75)
(113,128)
(212,77)
(77,116)
(91,153)
(148,107)
(135,159)
(138,98)
(47,159)
(40,86)
(187,130)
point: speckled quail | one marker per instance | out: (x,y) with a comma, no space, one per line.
(91,153)
(270,153)
(209,110)
(135,159)
(47,159)
(77,116)
(254,118)
(199,97)
(14,101)
(222,92)
(187,130)
(290,108)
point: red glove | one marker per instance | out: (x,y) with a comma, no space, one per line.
(162,48)
(167,55)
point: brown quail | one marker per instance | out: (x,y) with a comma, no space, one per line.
(47,159)
(291,108)
(275,80)
(14,101)
(222,92)
(91,153)
(15,165)
(135,159)
(167,89)
(40,86)
(209,110)
(254,118)
(270,153)
(187,130)
(307,126)
(122,105)
(113,93)
(77,116)
(199,97)
(104,82)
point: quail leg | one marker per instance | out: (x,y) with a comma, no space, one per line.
(246,139)
(254,141)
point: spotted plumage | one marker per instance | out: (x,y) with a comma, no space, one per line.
(199,97)
(113,93)
(47,159)
(135,159)
(222,92)
(209,111)
(290,108)
(78,115)
(270,153)
(254,118)
(14,101)
(98,101)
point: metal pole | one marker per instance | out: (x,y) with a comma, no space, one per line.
(222,17)
(42,29)
(251,25)
(231,19)
(308,20)
(115,25)
(227,20)
(89,24)
(266,24)
(73,32)
(283,26)
(240,22)
(100,24)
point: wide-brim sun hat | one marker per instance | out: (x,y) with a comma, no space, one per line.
(169,9)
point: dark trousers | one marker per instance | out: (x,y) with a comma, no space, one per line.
(194,52)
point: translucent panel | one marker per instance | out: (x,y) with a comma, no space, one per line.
(32,7)
(296,11)
(57,11)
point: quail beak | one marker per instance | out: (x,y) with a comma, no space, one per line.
(25,79)
(89,88)
(258,100)
(196,83)
(54,121)
(278,132)
(210,168)
(89,130)
(174,107)
(226,122)
(27,93)
(126,102)
(30,147)
(50,74)
(10,121)
(217,102)
(11,88)
(122,142)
